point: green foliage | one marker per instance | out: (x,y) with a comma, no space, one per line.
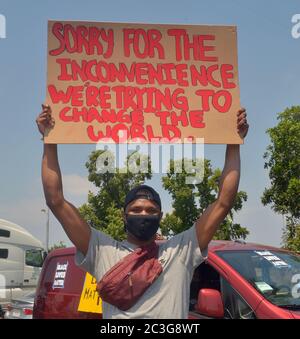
(282,159)
(171,224)
(114,223)
(291,235)
(61,244)
(190,201)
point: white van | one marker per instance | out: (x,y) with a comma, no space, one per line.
(21,260)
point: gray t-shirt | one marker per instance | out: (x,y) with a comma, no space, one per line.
(168,296)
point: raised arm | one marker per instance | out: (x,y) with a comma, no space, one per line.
(208,223)
(74,225)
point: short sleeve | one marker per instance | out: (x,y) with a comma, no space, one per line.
(100,247)
(186,246)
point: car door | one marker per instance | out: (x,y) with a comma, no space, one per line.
(207,277)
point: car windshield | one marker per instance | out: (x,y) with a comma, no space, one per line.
(274,274)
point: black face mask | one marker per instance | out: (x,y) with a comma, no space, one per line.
(143,227)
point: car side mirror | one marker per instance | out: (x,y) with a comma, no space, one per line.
(210,303)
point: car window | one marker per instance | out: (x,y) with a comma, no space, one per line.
(235,307)
(274,274)
(3,253)
(4,233)
(34,258)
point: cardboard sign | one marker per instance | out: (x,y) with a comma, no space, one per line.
(142,82)
(89,299)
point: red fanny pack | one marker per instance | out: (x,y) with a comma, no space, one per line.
(125,282)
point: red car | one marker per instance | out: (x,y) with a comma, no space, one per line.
(237,281)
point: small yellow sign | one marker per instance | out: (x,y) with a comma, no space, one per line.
(90,300)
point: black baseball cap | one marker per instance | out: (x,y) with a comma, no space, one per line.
(142,192)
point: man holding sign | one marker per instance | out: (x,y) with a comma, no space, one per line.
(97,253)
(155,83)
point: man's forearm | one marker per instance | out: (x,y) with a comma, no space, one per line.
(230,177)
(51,176)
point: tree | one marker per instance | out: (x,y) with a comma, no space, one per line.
(103,210)
(190,200)
(291,235)
(282,159)
(61,244)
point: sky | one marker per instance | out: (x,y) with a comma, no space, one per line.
(269,68)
